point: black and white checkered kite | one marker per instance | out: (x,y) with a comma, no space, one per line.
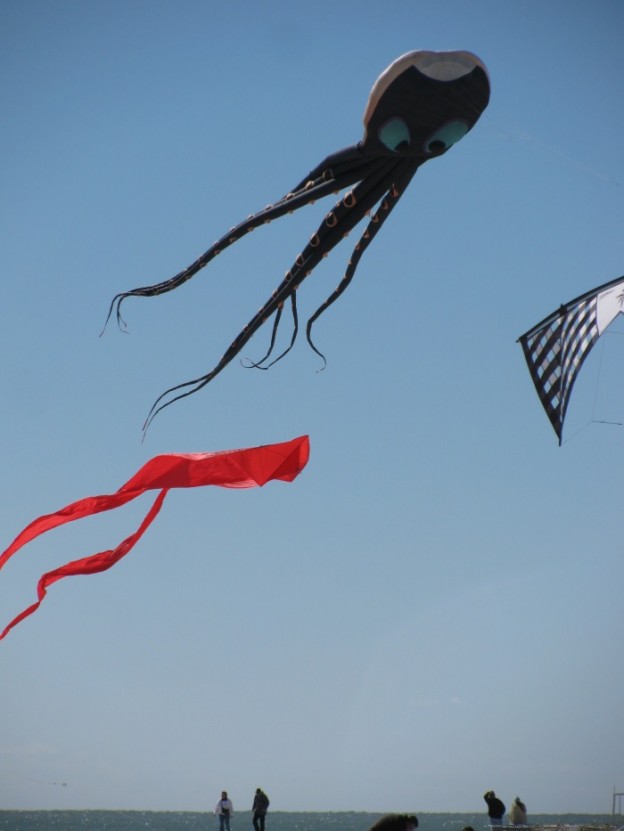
(556,348)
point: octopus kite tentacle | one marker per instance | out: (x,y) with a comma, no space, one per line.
(388,203)
(305,194)
(418,108)
(293,338)
(336,225)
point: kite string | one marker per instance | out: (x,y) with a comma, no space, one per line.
(593,419)
(598,379)
(522,136)
(598,376)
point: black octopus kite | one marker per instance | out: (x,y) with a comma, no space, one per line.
(418,108)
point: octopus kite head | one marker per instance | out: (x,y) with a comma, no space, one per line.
(424,103)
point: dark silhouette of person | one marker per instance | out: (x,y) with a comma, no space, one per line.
(259,809)
(396,822)
(496,808)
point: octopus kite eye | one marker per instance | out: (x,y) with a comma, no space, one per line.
(395,134)
(446,136)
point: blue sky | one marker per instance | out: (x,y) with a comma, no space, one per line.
(434,607)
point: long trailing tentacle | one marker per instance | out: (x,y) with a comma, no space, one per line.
(352,166)
(336,225)
(257,364)
(293,338)
(397,186)
(277,299)
(276,322)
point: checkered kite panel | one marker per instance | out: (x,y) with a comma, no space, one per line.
(556,348)
(555,354)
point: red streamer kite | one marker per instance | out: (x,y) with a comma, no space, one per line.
(228,469)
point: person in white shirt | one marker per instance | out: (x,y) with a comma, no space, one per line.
(518,813)
(224,810)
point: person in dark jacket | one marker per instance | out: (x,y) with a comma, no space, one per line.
(259,809)
(496,808)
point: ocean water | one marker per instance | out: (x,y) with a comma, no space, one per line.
(276,821)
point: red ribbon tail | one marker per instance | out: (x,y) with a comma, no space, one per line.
(89,565)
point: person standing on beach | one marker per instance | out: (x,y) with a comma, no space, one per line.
(518,813)
(496,808)
(259,809)
(396,822)
(224,810)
